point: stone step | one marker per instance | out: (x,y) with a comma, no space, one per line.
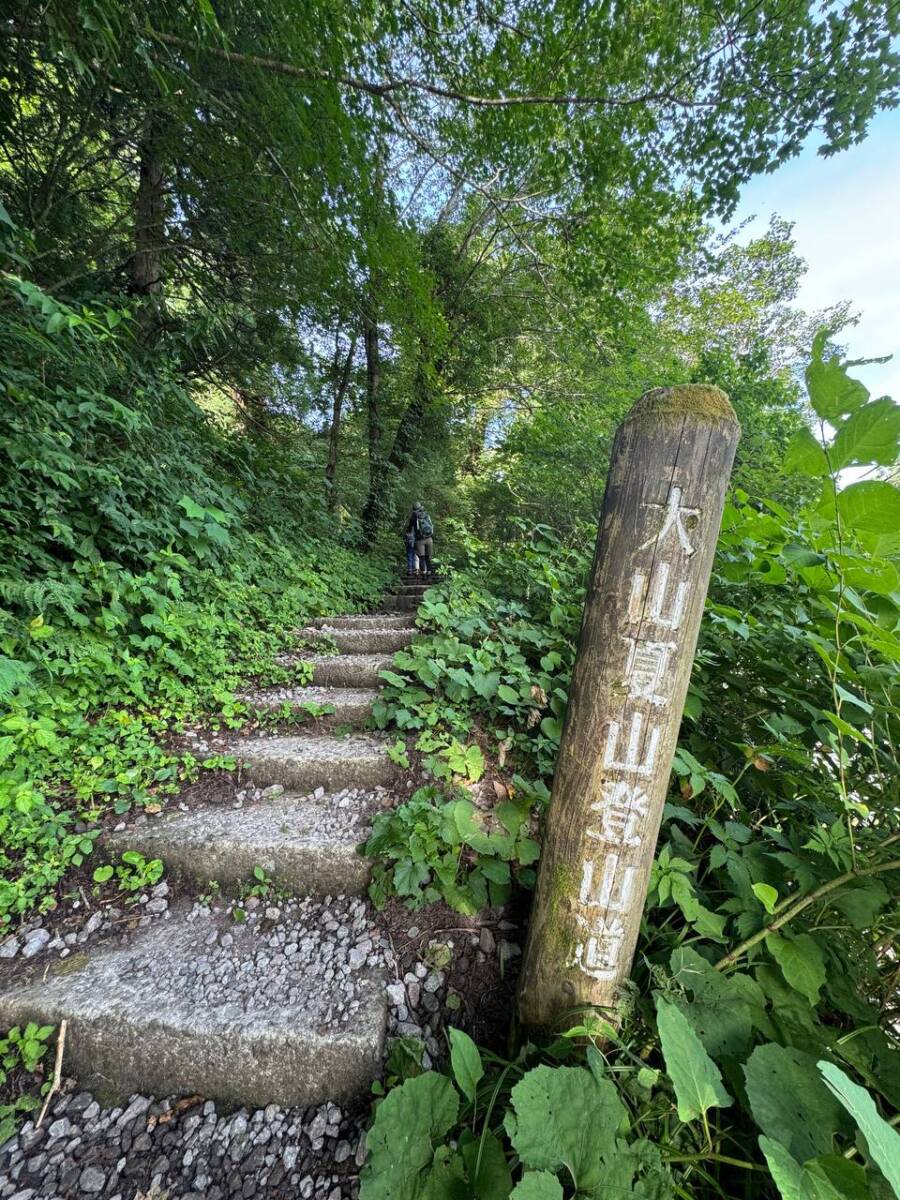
(301,764)
(412,589)
(201,1004)
(352,706)
(348,670)
(366,641)
(367,621)
(403,603)
(307,846)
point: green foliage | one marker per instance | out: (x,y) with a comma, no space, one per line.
(773,897)
(554,1124)
(21,1052)
(147,572)
(134,872)
(695,1077)
(882,1141)
(431,847)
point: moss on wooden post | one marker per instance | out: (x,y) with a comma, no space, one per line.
(664,496)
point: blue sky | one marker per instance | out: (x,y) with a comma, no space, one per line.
(846,211)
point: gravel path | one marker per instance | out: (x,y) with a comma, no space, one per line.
(162,1150)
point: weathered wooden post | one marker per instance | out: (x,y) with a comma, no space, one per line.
(670,467)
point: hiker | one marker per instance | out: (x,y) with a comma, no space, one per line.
(421,529)
(412,561)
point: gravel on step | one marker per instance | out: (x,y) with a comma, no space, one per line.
(184,1149)
(265,963)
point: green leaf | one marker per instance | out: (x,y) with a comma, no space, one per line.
(766,895)
(871,506)
(466,1062)
(507,694)
(538,1185)
(192,508)
(861,902)
(103,874)
(870,435)
(486,684)
(445,1180)
(832,392)
(801,962)
(698,1084)
(790,1102)
(551,727)
(805,455)
(409,876)
(486,1166)
(564,1117)
(791,1179)
(408,1123)
(883,1141)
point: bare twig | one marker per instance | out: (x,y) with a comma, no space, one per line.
(57,1071)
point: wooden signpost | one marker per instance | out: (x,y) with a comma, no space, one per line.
(670,467)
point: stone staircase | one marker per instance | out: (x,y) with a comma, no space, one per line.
(290,1007)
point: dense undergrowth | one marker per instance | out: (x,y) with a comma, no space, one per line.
(766,977)
(152,559)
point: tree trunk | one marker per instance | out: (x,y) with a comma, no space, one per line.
(149,226)
(340,391)
(375,498)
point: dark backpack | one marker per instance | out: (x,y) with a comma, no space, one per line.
(426,529)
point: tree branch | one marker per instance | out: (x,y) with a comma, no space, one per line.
(405,83)
(799,905)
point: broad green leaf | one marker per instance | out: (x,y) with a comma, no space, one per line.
(790,1102)
(832,392)
(564,1117)
(801,962)
(466,1062)
(538,1185)
(408,1123)
(508,694)
(883,1141)
(871,506)
(445,1180)
(698,1084)
(792,1180)
(486,1166)
(486,684)
(551,727)
(861,902)
(805,455)
(870,435)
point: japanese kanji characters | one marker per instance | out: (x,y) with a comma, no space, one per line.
(602,889)
(653,600)
(621,810)
(598,954)
(645,669)
(656,605)
(673,520)
(637,756)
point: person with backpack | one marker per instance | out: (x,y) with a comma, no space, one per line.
(421,527)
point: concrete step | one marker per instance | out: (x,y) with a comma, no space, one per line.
(352,706)
(403,603)
(412,589)
(367,621)
(301,764)
(349,670)
(233,1018)
(365,641)
(307,846)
